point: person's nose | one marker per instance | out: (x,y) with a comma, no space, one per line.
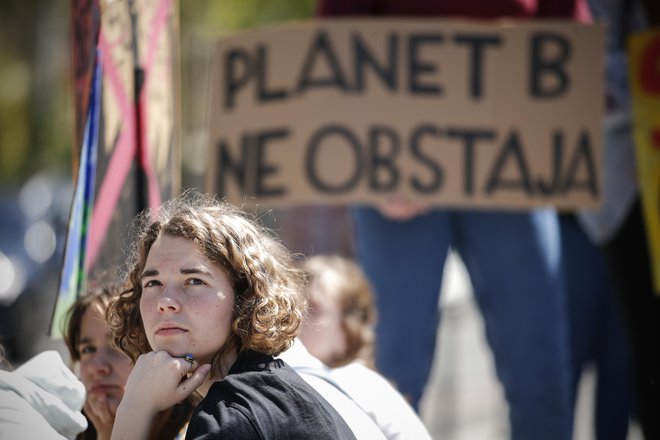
(169,301)
(100,364)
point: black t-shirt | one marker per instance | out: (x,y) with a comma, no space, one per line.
(264,398)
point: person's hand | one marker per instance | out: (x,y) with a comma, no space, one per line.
(401,208)
(100,408)
(158,380)
(101,413)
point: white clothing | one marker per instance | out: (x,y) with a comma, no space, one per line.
(41,399)
(317,375)
(378,398)
(371,392)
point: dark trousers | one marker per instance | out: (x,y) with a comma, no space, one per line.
(596,331)
(627,256)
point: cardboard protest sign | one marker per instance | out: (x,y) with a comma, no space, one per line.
(644,52)
(453,113)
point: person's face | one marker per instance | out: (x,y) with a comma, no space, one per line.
(187,300)
(321,331)
(103,368)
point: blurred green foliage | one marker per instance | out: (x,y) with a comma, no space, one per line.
(36,116)
(215,18)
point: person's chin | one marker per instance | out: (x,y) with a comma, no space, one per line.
(172,348)
(110,400)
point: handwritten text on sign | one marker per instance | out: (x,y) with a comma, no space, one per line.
(501,115)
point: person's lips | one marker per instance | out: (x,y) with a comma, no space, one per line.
(170,330)
(102,388)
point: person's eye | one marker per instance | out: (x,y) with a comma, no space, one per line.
(196,282)
(86,350)
(152,283)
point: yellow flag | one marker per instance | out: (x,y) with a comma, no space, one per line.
(644,55)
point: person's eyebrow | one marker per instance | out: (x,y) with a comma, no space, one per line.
(195,270)
(84,340)
(149,273)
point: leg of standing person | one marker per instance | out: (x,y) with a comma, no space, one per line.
(514,264)
(628,260)
(596,331)
(614,389)
(404,261)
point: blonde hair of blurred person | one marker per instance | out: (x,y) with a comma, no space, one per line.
(104,369)
(339,327)
(339,331)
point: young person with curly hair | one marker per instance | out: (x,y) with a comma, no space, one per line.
(211,300)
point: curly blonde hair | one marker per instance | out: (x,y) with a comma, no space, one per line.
(268,306)
(343,278)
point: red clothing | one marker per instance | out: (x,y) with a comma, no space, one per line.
(487,9)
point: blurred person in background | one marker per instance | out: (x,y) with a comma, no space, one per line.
(596,331)
(618,228)
(339,331)
(339,326)
(513,259)
(104,370)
